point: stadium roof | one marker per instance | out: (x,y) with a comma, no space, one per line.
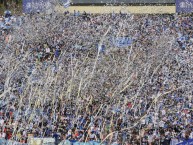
(124,1)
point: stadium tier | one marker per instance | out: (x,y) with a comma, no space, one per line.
(111,78)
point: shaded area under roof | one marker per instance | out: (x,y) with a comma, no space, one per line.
(124,1)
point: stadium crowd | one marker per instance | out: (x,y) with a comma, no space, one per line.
(39,52)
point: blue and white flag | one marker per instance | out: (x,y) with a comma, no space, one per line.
(66,3)
(31,6)
(7,12)
(174,141)
(101,48)
(184,6)
(187,142)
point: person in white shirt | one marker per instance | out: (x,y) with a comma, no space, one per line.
(2,134)
(1,122)
(150,138)
(191,135)
(47,50)
(163,112)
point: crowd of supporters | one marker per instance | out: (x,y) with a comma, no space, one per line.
(55,82)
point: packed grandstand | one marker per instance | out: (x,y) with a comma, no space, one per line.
(84,78)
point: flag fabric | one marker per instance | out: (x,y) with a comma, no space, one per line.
(101,48)
(31,6)
(186,142)
(66,3)
(184,6)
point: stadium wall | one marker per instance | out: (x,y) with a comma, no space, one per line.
(116,9)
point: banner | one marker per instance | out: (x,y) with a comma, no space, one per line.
(68,142)
(184,6)
(122,41)
(33,6)
(187,142)
(41,141)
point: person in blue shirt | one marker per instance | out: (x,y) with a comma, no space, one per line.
(57,52)
(56,137)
